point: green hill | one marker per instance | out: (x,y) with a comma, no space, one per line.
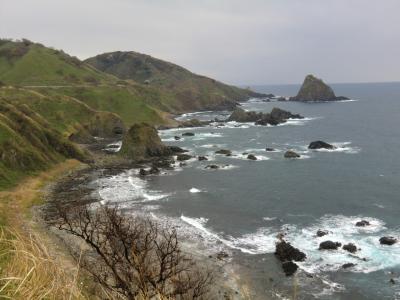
(187,91)
(49,99)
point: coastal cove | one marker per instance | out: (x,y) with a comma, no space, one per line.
(241,207)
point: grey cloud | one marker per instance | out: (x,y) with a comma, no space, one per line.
(241,42)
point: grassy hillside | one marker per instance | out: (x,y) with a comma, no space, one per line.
(27,63)
(187,91)
(28,143)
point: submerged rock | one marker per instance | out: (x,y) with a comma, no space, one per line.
(269,149)
(177,138)
(321,233)
(348,265)
(202,158)
(362,223)
(213,167)
(387,240)
(176,149)
(329,245)
(182,157)
(143,172)
(314,89)
(286,252)
(291,154)
(350,247)
(188,134)
(320,145)
(251,157)
(224,152)
(289,268)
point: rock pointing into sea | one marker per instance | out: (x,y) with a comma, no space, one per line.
(314,89)
(142,142)
(275,117)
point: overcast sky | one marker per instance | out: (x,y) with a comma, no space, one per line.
(236,41)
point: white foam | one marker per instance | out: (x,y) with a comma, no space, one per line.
(126,187)
(242,156)
(259,242)
(342,229)
(114,147)
(194,190)
(341,147)
(269,218)
(298,122)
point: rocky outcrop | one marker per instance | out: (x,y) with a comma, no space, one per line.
(275,117)
(348,265)
(142,142)
(286,253)
(320,145)
(329,245)
(314,89)
(321,233)
(202,158)
(188,134)
(362,223)
(224,152)
(291,154)
(289,268)
(182,157)
(387,240)
(350,247)
(176,149)
(251,157)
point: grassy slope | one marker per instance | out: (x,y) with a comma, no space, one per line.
(186,91)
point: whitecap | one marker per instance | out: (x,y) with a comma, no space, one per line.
(126,187)
(194,190)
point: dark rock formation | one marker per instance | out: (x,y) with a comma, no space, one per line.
(164,163)
(176,149)
(177,138)
(142,142)
(224,152)
(286,252)
(362,223)
(320,145)
(291,154)
(269,149)
(329,245)
(348,265)
(182,157)
(188,134)
(251,157)
(202,158)
(193,123)
(387,240)
(321,233)
(143,172)
(314,89)
(213,167)
(289,268)
(350,247)
(275,117)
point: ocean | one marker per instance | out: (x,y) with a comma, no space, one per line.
(242,206)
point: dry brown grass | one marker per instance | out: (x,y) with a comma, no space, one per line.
(30,272)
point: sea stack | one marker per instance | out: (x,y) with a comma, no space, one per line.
(142,142)
(314,89)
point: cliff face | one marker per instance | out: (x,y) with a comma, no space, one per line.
(314,89)
(142,142)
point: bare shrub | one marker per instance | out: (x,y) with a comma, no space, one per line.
(134,258)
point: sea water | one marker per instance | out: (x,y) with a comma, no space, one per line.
(243,205)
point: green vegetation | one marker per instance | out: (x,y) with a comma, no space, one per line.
(48,99)
(185,91)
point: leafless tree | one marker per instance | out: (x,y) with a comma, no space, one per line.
(133,257)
